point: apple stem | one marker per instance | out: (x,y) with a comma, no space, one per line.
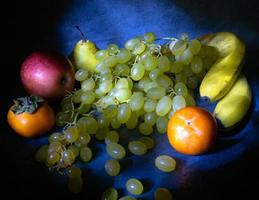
(82,34)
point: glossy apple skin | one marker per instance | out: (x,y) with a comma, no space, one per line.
(47,74)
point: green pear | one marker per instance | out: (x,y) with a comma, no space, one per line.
(83,55)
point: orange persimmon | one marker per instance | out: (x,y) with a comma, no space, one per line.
(192,130)
(30,117)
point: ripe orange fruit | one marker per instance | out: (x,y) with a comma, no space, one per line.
(192,130)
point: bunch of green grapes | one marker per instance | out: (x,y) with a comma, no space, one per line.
(140,86)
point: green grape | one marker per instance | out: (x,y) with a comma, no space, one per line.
(102,68)
(75,185)
(77,96)
(148,141)
(145,129)
(98,93)
(178,102)
(149,37)
(162,194)
(194,46)
(127,198)
(110,112)
(163,64)
(164,81)
(110,194)
(190,100)
(181,77)
(62,118)
(161,124)
(192,82)
(42,153)
(54,147)
(55,137)
(131,43)
(71,134)
(115,123)
(154,74)
(101,54)
(110,61)
(122,83)
(134,186)
(122,70)
(184,37)
(136,101)
(137,147)
(101,133)
(165,163)
(171,113)
(87,97)
(88,84)
(112,49)
(112,167)
(53,158)
(156,93)
(105,86)
(81,74)
(66,104)
(187,71)
(84,138)
(74,149)
(150,118)
(123,56)
(132,121)
(196,65)
(90,124)
(122,94)
(84,108)
(86,154)
(150,85)
(181,89)
(124,113)
(107,101)
(106,77)
(79,145)
(137,71)
(178,47)
(150,63)
(68,157)
(115,150)
(164,105)
(186,57)
(176,67)
(141,84)
(103,121)
(130,82)
(138,48)
(150,105)
(112,137)
(74,172)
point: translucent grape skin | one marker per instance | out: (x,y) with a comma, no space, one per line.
(137,147)
(134,186)
(112,167)
(86,154)
(115,150)
(165,163)
(148,141)
(162,194)
(110,194)
(74,172)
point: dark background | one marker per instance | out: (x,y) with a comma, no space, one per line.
(230,171)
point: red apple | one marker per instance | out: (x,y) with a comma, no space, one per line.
(47,74)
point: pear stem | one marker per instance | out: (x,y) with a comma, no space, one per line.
(82,34)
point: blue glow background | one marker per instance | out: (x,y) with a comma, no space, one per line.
(230,170)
